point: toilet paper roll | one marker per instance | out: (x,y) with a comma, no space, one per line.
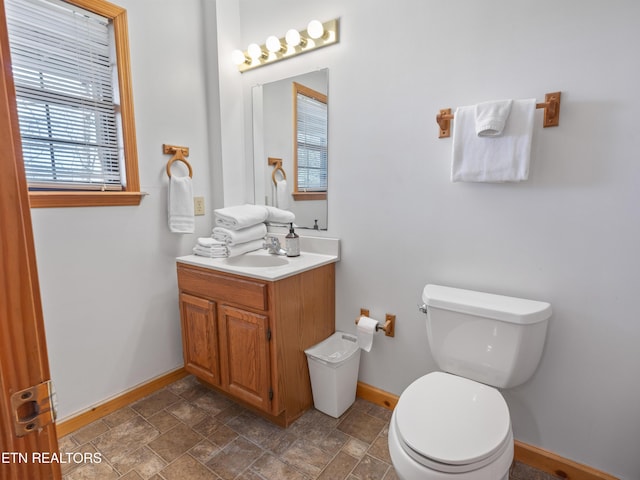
(366,330)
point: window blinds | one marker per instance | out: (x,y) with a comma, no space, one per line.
(312,144)
(65,78)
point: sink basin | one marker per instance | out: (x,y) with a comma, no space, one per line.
(257,261)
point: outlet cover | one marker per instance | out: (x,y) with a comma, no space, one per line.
(198,205)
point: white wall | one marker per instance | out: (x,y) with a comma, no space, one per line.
(107,275)
(568,235)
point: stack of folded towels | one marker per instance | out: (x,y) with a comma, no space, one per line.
(240,229)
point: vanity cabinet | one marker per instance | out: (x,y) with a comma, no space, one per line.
(246,337)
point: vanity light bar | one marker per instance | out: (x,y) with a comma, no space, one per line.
(316,35)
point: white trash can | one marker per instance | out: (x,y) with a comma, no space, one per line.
(333,368)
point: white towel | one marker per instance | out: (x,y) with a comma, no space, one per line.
(491,117)
(239,216)
(222,250)
(278,215)
(210,242)
(210,252)
(235,250)
(234,237)
(493,159)
(181,219)
(282,195)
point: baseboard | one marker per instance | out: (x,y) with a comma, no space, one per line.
(528,454)
(377,396)
(549,462)
(71,424)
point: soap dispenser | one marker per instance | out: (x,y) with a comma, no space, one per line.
(292,243)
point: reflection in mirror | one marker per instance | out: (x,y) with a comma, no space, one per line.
(290,146)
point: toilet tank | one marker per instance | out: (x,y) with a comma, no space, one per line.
(493,339)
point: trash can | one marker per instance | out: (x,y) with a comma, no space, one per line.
(333,368)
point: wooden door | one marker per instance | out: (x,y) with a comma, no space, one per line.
(244,356)
(23,353)
(200,337)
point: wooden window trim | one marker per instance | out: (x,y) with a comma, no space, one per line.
(297,195)
(131,194)
(309,195)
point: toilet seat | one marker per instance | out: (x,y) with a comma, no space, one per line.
(452,424)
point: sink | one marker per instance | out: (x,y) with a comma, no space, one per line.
(257,261)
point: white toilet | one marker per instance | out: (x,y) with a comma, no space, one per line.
(455,424)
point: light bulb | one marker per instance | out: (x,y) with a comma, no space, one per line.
(273,44)
(238,57)
(293,38)
(315,29)
(255,52)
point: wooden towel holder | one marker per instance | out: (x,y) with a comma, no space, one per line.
(179,154)
(551,108)
(277,164)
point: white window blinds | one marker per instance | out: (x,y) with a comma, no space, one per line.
(312,144)
(64,70)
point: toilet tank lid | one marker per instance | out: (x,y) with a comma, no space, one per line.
(498,307)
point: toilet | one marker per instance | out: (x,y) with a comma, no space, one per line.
(454,424)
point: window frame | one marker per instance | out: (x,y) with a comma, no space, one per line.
(308,92)
(130,195)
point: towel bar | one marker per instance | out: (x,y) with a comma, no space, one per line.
(277,163)
(551,106)
(178,155)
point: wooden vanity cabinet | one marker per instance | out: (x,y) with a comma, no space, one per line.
(246,337)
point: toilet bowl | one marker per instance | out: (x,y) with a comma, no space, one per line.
(454,424)
(448,427)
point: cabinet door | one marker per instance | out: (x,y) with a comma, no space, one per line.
(244,353)
(200,337)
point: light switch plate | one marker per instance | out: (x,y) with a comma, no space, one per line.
(198,205)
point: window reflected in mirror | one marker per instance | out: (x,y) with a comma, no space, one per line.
(309,143)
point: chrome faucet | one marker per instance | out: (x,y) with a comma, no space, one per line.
(272,244)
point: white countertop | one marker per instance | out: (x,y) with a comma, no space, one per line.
(323,251)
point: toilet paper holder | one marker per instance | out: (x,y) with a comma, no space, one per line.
(389,325)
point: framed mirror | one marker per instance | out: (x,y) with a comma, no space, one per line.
(290,145)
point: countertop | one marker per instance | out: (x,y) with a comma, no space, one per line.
(315,252)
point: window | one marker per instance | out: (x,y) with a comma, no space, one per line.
(70,64)
(309,143)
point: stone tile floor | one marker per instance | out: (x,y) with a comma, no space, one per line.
(187,431)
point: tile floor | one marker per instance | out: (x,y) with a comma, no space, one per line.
(187,431)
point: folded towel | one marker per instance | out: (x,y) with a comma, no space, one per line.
(282,194)
(277,215)
(222,250)
(210,242)
(239,216)
(493,159)
(181,219)
(491,117)
(234,237)
(210,252)
(239,249)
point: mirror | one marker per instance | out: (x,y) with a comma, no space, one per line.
(290,171)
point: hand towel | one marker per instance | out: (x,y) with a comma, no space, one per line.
(239,249)
(493,159)
(278,215)
(181,215)
(209,247)
(239,216)
(210,242)
(222,250)
(491,117)
(234,237)
(211,252)
(282,195)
